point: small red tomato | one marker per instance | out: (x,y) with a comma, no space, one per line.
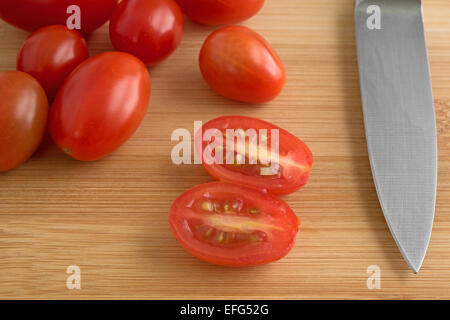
(50,54)
(23,117)
(34,14)
(239,64)
(218,12)
(232,225)
(100,105)
(286,176)
(149,29)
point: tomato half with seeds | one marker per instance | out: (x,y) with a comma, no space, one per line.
(240,64)
(232,225)
(254,153)
(218,12)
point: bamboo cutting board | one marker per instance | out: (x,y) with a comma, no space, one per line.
(110,217)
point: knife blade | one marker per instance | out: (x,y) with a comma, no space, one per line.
(399,119)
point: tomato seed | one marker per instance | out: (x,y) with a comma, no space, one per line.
(207,206)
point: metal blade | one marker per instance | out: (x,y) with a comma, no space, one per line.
(399,119)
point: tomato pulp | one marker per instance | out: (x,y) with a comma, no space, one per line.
(218,12)
(233,225)
(50,54)
(285,176)
(150,30)
(23,117)
(34,14)
(239,64)
(100,105)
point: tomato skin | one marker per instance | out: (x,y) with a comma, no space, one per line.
(150,30)
(239,64)
(50,54)
(217,12)
(276,221)
(100,105)
(23,118)
(295,158)
(34,14)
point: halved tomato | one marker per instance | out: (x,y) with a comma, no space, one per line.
(283,174)
(232,225)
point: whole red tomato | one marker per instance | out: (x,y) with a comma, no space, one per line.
(239,64)
(149,29)
(34,14)
(23,118)
(100,105)
(219,12)
(50,54)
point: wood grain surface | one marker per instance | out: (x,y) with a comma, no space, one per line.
(110,217)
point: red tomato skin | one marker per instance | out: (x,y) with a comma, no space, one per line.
(295,175)
(100,105)
(150,30)
(23,118)
(33,14)
(239,64)
(216,12)
(273,206)
(50,54)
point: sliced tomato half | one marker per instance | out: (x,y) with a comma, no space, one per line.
(232,225)
(286,174)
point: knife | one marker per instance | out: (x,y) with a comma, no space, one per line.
(399,119)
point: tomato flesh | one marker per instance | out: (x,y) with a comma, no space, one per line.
(150,30)
(232,225)
(288,175)
(100,105)
(50,54)
(219,12)
(34,14)
(23,118)
(239,64)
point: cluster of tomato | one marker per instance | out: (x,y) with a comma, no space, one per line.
(238,221)
(97,103)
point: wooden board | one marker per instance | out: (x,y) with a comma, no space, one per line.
(110,217)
